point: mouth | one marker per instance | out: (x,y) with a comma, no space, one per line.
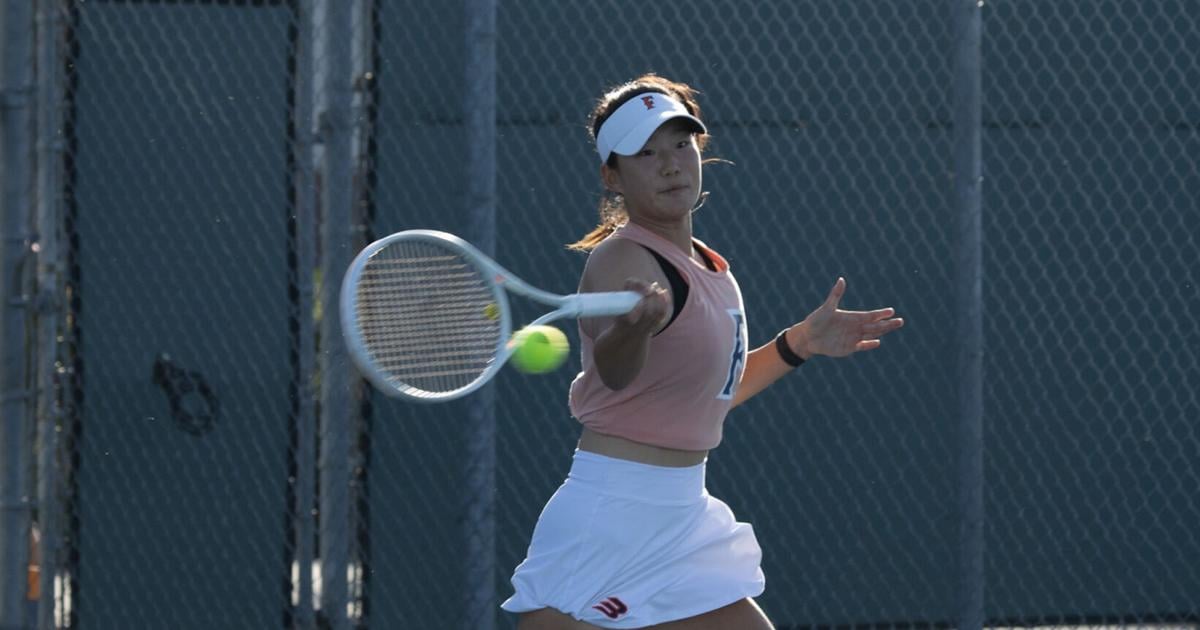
(674,189)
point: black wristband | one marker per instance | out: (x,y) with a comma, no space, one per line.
(785,351)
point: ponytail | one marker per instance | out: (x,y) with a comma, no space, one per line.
(612,216)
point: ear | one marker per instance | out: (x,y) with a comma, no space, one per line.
(611,178)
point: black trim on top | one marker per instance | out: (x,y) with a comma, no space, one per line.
(679,288)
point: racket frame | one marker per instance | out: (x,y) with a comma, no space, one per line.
(500,281)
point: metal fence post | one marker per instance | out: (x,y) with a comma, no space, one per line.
(305,221)
(336,124)
(480,114)
(50,146)
(968,182)
(16,23)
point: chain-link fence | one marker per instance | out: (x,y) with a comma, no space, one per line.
(180,331)
(208,458)
(1092,256)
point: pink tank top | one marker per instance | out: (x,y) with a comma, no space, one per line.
(680,398)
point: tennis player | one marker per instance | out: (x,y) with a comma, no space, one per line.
(632,539)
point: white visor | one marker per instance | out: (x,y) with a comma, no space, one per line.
(626,131)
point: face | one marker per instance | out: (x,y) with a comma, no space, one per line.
(662,181)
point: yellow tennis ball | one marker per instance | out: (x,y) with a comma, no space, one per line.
(491,311)
(539,349)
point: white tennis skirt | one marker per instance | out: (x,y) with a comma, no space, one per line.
(625,545)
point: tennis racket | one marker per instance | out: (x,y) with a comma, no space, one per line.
(425,314)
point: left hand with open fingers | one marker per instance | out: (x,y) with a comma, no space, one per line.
(836,333)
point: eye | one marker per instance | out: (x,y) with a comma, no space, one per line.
(645,152)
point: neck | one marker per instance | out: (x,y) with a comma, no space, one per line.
(678,233)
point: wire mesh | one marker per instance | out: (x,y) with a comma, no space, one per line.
(180,323)
(198,139)
(1091,409)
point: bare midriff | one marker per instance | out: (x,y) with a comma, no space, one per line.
(621,448)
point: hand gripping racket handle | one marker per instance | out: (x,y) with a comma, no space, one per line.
(600,304)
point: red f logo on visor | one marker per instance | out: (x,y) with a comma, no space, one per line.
(649,101)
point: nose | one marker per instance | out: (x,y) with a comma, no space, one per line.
(669,166)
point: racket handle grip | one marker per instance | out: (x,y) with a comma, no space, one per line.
(609,303)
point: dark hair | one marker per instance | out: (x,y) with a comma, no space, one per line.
(612,206)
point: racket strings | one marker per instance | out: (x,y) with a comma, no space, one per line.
(427,316)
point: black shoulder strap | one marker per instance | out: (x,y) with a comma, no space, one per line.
(679,288)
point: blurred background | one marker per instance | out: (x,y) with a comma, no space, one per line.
(185,445)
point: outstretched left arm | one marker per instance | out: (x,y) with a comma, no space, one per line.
(828,330)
